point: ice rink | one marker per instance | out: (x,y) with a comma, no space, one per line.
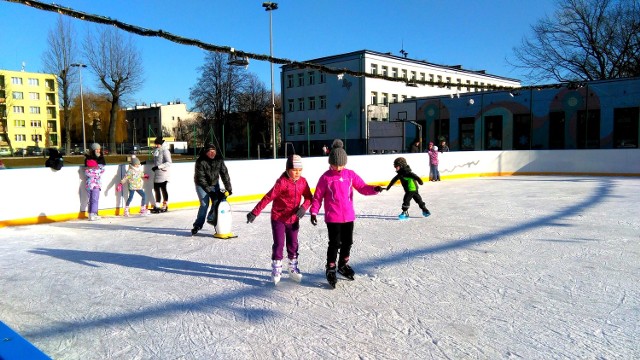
(515,267)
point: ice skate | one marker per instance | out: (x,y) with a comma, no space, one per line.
(144,211)
(426,212)
(404,215)
(126,211)
(294,272)
(346,271)
(331,275)
(276,271)
(195,230)
(165,207)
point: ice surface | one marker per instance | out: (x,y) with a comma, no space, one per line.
(507,267)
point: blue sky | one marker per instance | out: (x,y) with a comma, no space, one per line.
(477,34)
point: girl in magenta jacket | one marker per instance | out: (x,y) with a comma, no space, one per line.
(286,212)
(335,189)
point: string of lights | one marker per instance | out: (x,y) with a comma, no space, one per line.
(239,53)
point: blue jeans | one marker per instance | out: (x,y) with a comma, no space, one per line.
(434,174)
(205,200)
(141,192)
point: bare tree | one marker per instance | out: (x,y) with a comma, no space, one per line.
(57,59)
(216,93)
(255,96)
(584,40)
(117,64)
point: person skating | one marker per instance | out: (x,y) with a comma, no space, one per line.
(290,188)
(161,169)
(335,190)
(94,172)
(409,181)
(135,176)
(209,169)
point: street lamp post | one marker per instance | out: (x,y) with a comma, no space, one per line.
(269,6)
(84,137)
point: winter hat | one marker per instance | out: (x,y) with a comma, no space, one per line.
(337,156)
(135,161)
(294,162)
(92,163)
(400,162)
(210,146)
(159,140)
(430,143)
(435,148)
(95,146)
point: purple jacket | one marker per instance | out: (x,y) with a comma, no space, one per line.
(433,157)
(335,188)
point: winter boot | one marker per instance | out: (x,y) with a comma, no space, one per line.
(126,211)
(165,207)
(276,271)
(404,215)
(345,270)
(155,209)
(331,274)
(294,272)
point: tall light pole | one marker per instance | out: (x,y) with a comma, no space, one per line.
(84,136)
(269,6)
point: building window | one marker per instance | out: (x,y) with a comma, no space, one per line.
(301,79)
(404,74)
(385,71)
(422,77)
(21,137)
(413,76)
(625,127)
(34,110)
(18,109)
(289,80)
(588,129)
(312,77)
(431,80)
(459,84)
(404,97)
(323,102)
(448,82)
(36,123)
(36,96)
(475,83)
(394,72)
(36,137)
(394,98)
(291,107)
(300,104)
(374,98)
(323,126)
(19,123)
(34,82)
(18,95)
(385,98)
(312,103)
(16,81)
(374,69)
(301,128)
(468,85)
(51,112)
(323,78)
(312,127)
(291,128)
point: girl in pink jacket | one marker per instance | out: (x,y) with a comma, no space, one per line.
(335,189)
(286,212)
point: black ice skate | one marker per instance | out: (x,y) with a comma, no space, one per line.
(331,276)
(346,271)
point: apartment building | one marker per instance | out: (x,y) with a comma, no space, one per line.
(146,122)
(319,107)
(28,111)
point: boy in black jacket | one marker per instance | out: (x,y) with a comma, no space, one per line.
(409,182)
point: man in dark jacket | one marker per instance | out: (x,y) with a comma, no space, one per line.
(209,169)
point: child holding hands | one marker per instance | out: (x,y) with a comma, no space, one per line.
(335,189)
(286,213)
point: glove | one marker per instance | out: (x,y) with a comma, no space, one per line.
(154,168)
(229,192)
(250,217)
(314,220)
(301,211)
(378,189)
(145,176)
(119,187)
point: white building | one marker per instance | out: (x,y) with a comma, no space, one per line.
(146,122)
(319,107)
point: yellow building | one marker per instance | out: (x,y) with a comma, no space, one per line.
(28,111)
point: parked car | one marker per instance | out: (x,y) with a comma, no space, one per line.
(5,151)
(20,152)
(34,151)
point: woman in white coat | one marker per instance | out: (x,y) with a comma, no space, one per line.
(161,167)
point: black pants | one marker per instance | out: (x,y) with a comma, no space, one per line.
(340,238)
(412,195)
(160,187)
